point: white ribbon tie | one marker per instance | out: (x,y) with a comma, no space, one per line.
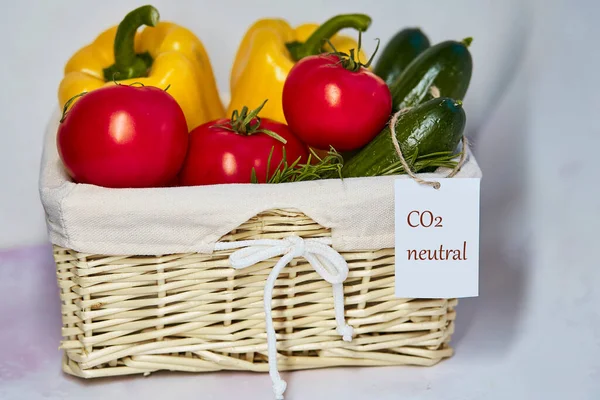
(327,262)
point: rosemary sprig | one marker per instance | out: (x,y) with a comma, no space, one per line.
(423,163)
(328,167)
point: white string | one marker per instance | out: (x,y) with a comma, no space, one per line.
(327,262)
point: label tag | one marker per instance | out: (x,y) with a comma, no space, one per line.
(437,238)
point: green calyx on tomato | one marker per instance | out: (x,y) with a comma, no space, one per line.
(247,122)
(351,61)
(68,104)
(332,100)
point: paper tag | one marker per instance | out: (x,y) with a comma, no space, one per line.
(437,238)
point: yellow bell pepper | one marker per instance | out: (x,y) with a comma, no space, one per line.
(270,49)
(163,54)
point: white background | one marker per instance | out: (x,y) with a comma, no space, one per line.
(534,332)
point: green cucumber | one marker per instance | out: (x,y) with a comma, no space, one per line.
(432,127)
(404,47)
(447,66)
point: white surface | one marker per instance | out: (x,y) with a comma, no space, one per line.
(534,333)
(41,35)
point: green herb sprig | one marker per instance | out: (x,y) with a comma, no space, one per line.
(328,167)
(428,162)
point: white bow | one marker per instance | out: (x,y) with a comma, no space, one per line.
(327,262)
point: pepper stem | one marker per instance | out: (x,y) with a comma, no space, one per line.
(128,64)
(314,43)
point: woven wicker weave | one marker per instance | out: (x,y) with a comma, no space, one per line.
(192,312)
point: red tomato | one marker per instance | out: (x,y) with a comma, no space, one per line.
(219,155)
(326,104)
(124,137)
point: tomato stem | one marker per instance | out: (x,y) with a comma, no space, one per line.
(314,44)
(128,64)
(350,61)
(247,122)
(68,104)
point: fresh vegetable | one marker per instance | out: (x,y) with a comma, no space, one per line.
(404,47)
(334,100)
(442,70)
(325,166)
(429,131)
(164,54)
(123,136)
(244,149)
(268,52)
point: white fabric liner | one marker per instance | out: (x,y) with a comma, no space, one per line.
(155,221)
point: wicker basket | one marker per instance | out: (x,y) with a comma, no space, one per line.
(192,312)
